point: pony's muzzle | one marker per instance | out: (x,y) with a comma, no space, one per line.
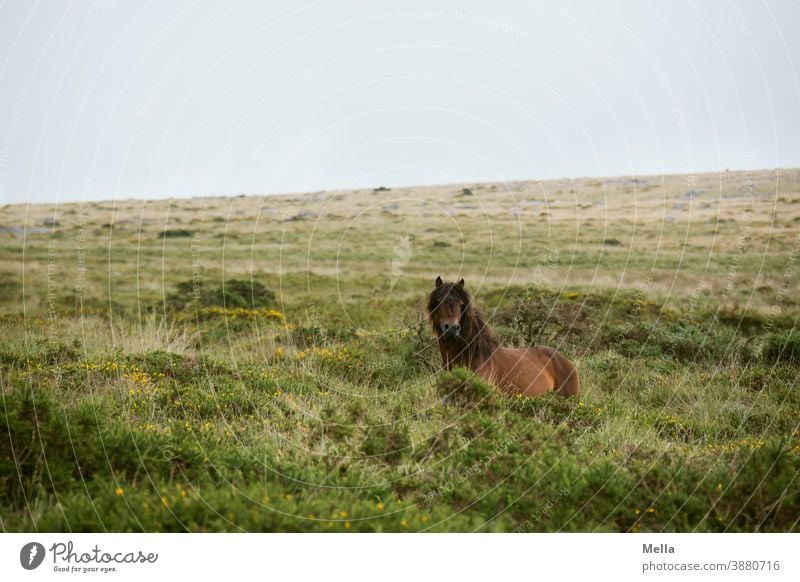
(451,330)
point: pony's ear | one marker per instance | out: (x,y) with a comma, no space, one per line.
(460,284)
(439,282)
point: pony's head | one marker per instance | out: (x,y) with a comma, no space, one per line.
(448,304)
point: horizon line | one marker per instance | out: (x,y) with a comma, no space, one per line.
(163,197)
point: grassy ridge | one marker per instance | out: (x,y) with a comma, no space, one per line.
(684,424)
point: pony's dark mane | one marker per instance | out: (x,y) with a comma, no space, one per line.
(477,341)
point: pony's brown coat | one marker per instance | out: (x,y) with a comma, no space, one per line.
(527,371)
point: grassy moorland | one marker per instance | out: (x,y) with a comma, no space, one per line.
(262,364)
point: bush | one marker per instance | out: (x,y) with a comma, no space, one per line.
(10,287)
(388,442)
(44,448)
(464,388)
(175,233)
(543,318)
(781,347)
(231,294)
(684,342)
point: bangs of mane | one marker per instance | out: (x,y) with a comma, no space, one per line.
(447,292)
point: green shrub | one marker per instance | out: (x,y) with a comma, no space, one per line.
(783,347)
(390,443)
(232,293)
(10,287)
(462,387)
(175,233)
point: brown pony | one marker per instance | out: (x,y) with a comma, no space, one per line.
(465,339)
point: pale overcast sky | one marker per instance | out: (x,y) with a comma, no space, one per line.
(117,99)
